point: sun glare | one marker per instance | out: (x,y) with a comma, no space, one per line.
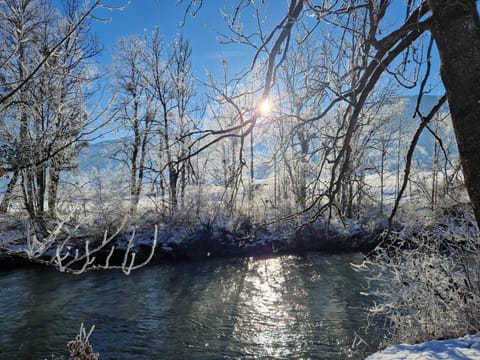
(265,107)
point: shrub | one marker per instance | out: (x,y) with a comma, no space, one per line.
(429,283)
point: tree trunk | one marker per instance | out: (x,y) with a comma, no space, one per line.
(29,193)
(9,193)
(173,180)
(456,30)
(139,180)
(382,179)
(54,179)
(183,185)
(40,187)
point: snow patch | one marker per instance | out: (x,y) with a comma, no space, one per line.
(464,348)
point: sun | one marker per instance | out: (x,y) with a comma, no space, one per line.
(265,107)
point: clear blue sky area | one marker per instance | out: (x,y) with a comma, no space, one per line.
(202,31)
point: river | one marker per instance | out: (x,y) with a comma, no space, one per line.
(287,307)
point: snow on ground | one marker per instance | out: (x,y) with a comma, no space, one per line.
(465,348)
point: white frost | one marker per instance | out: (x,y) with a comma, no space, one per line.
(465,348)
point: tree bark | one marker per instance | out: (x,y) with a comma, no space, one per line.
(456,30)
(54,180)
(9,193)
(173,180)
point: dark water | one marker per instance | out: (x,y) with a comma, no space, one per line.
(288,307)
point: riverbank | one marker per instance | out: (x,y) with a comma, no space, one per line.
(156,242)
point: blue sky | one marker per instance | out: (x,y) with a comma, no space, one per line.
(201,31)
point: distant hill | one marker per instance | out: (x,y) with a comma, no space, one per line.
(426,143)
(100,155)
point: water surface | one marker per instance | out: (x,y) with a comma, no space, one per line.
(289,307)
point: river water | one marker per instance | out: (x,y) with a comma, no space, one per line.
(288,307)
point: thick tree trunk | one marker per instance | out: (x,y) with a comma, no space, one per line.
(456,30)
(173,180)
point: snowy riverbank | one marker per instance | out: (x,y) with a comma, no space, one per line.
(175,241)
(465,348)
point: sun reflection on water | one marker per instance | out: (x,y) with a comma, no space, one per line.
(270,310)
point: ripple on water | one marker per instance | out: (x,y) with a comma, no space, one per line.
(282,308)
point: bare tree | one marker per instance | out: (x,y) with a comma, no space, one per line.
(22,23)
(183,90)
(168,77)
(302,82)
(229,106)
(136,112)
(46,77)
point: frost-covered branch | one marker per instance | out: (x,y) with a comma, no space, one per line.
(428,286)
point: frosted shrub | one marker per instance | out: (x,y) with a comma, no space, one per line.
(429,284)
(80,348)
